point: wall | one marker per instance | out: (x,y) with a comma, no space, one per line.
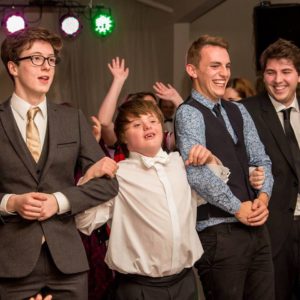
(143,36)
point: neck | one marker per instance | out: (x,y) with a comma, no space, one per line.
(31,98)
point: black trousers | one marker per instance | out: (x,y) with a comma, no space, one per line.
(237,263)
(287,266)
(45,279)
(181,286)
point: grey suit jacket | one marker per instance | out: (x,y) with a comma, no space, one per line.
(71,145)
(285,189)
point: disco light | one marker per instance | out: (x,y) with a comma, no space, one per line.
(103,23)
(70,25)
(13,22)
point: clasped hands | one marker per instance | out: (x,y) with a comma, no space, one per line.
(254,213)
(33,206)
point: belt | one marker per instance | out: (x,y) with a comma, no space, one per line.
(165,281)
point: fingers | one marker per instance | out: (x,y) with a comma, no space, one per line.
(259,213)
(198,155)
(257,178)
(259,220)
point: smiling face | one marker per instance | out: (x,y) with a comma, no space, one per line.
(281,80)
(33,82)
(211,75)
(143,134)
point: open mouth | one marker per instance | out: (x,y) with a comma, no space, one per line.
(149,136)
(44,78)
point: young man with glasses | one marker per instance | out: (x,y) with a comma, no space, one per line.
(41,146)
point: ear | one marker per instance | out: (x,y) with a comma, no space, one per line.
(191,70)
(12,68)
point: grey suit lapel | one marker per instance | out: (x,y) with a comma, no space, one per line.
(271,119)
(12,132)
(53,128)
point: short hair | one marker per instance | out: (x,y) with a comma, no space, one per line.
(15,43)
(193,54)
(133,108)
(281,49)
(243,87)
(140,95)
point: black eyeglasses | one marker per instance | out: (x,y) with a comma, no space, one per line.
(39,60)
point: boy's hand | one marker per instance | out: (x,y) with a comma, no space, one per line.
(105,166)
(167,93)
(118,70)
(244,212)
(199,155)
(257,178)
(259,213)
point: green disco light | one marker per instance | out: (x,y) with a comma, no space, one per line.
(103,24)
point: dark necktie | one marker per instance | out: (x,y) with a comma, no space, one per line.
(290,134)
(217,111)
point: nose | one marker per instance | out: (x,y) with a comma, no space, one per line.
(45,64)
(278,77)
(147,125)
(224,71)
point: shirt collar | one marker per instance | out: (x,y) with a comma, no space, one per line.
(161,157)
(279,106)
(20,106)
(203,100)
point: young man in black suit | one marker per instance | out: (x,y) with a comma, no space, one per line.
(277,118)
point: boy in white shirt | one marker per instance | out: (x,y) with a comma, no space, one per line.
(153,242)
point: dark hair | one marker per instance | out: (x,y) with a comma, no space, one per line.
(140,96)
(15,43)
(243,87)
(193,54)
(133,108)
(281,49)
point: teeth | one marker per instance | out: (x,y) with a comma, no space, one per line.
(219,82)
(279,88)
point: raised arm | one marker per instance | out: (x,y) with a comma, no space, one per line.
(109,104)
(167,92)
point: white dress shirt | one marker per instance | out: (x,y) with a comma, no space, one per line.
(153,229)
(19,109)
(295,122)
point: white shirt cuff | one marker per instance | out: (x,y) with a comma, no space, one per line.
(62,202)
(3,204)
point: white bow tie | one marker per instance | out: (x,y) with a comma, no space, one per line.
(161,158)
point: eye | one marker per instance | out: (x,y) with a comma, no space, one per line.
(37,58)
(52,59)
(136,125)
(269,73)
(286,71)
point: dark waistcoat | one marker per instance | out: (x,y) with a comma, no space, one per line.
(233,156)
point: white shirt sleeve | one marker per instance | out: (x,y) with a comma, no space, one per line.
(94,217)
(3,203)
(62,202)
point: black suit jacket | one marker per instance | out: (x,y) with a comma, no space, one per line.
(71,144)
(284,196)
